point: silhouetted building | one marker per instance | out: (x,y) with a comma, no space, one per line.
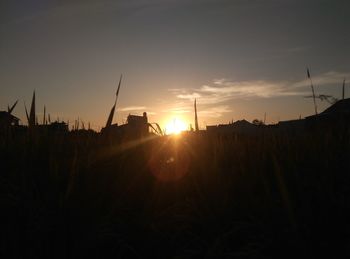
(136,127)
(240,126)
(7,119)
(340,109)
(335,115)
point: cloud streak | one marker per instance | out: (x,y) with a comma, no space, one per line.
(133,108)
(214,112)
(223,90)
(214,97)
(204,111)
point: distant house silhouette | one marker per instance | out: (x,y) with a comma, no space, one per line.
(8,120)
(135,127)
(340,108)
(240,126)
(336,114)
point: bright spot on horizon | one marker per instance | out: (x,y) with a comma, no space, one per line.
(175,126)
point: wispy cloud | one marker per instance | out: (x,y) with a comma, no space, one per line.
(191,96)
(133,108)
(214,112)
(329,78)
(180,109)
(222,90)
(204,110)
(215,96)
(151,113)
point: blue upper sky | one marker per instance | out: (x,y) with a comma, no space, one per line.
(239,58)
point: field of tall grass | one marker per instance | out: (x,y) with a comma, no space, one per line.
(189,196)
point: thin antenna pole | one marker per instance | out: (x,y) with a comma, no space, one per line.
(264,117)
(312,88)
(343,89)
(195,116)
(44,119)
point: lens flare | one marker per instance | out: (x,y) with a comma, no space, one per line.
(170,160)
(175,126)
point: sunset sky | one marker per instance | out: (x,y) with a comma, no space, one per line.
(239,58)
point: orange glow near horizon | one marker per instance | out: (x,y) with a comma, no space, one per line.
(175,126)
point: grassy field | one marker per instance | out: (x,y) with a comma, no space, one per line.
(191,196)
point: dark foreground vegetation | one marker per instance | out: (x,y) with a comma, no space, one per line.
(194,196)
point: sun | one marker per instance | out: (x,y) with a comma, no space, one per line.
(175,126)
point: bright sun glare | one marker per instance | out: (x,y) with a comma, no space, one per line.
(175,126)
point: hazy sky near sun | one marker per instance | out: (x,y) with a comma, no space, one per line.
(239,58)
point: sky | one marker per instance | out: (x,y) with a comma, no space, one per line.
(240,58)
